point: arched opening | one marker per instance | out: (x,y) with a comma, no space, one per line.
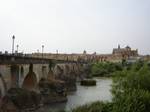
(2,86)
(22,71)
(15,76)
(30,81)
(21,76)
(44,72)
(67,70)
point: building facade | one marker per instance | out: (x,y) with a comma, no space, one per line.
(125,52)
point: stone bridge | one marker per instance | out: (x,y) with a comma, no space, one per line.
(26,72)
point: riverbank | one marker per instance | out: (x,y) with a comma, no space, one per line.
(131,92)
(98,106)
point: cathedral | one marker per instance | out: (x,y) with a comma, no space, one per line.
(125,52)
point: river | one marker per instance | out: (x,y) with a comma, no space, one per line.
(84,95)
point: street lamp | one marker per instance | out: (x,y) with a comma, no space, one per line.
(37,50)
(13,39)
(42,50)
(17,48)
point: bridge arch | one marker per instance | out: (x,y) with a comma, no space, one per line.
(21,76)
(3,87)
(22,71)
(30,81)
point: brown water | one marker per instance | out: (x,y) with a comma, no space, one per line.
(83,95)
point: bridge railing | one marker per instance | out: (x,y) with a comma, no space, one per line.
(27,59)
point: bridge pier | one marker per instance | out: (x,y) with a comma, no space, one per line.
(30,81)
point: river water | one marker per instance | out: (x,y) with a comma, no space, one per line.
(84,95)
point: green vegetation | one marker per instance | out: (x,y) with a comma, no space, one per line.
(94,107)
(105,69)
(88,82)
(130,89)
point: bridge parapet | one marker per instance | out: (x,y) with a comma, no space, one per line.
(12,59)
(25,71)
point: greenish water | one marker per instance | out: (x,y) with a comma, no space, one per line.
(83,95)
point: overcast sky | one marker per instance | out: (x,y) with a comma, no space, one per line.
(72,26)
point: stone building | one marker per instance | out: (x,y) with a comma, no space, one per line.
(125,52)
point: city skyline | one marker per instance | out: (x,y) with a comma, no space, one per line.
(74,26)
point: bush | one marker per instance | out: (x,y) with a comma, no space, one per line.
(132,101)
(105,69)
(131,89)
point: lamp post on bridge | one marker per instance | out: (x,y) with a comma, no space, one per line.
(13,40)
(38,51)
(42,50)
(17,48)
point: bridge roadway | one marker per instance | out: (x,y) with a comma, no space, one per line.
(25,59)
